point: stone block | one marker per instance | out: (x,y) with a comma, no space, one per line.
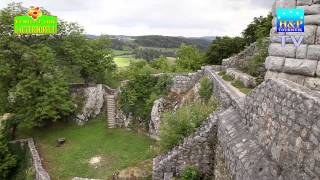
(309,34)
(312,83)
(288,50)
(286,3)
(312,20)
(318,35)
(274,63)
(275,36)
(304,2)
(310,10)
(291,77)
(318,70)
(271,75)
(313,52)
(302,52)
(300,67)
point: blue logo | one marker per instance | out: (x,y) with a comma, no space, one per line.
(290,20)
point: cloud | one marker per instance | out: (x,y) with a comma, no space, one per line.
(166,17)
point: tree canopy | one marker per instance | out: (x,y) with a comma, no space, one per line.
(36,69)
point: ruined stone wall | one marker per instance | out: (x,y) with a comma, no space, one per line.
(300,65)
(241,59)
(195,150)
(184,82)
(285,119)
(93,100)
(40,172)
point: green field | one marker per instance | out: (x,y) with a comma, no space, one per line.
(122,61)
(117,148)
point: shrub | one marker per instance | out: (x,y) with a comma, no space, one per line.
(177,125)
(7,160)
(138,95)
(205,90)
(222,73)
(239,84)
(227,77)
(191,173)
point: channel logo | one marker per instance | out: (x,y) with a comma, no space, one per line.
(290,20)
(35,23)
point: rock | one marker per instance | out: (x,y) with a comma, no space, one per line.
(276,49)
(309,10)
(308,34)
(301,67)
(312,19)
(313,52)
(154,124)
(304,2)
(61,141)
(92,105)
(302,52)
(274,63)
(248,81)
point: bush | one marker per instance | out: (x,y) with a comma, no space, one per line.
(239,84)
(175,126)
(222,73)
(205,90)
(191,173)
(23,170)
(138,95)
(7,160)
(227,77)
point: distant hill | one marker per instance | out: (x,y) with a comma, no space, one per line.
(157,41)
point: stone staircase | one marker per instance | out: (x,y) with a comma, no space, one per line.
(111,111)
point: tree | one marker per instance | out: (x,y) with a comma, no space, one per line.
(188,58)
(262,24)
(33,69)
(7,160)
(224,47)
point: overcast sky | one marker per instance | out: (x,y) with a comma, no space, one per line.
(189,18)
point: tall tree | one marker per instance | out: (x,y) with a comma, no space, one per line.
(34,68)
(224,47)
(260,26)
(189,58)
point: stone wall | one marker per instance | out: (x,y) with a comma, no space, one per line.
(195,150)
(284,117)
(301,64)
(184,82)
(40,172)
(242,58)
(94,101)
(248,81)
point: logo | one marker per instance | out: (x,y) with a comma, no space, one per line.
(290,20)
(35,23)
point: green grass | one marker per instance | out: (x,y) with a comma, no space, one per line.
(239,84)
(122,61)
(222,73)
(227,77)
(120,52)
(117,147)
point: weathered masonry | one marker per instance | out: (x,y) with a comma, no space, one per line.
(273,133)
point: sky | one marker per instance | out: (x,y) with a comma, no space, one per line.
(189,18)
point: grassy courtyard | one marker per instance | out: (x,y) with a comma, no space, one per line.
(114,149)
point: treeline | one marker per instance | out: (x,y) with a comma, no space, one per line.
(171,42)
(224,47)
(150,54)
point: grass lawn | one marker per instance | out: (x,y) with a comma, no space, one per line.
(122,61)
(117,148)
